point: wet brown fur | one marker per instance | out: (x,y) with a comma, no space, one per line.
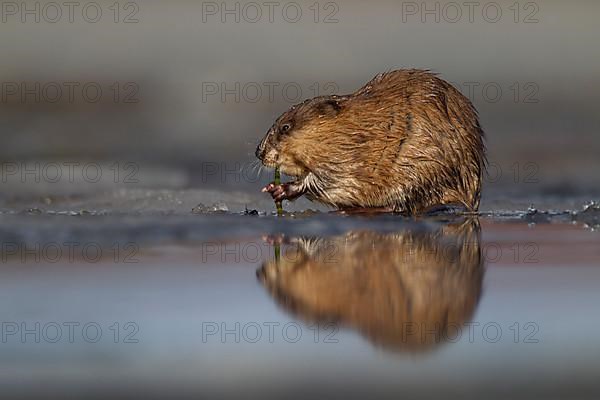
(406,141)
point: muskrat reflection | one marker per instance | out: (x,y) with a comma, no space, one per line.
(403,290)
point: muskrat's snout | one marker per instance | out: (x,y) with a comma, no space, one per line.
(260,152)
(261,149)
(266,151)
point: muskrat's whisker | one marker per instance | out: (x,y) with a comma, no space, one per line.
(255,167)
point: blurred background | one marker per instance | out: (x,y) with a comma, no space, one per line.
(176,94)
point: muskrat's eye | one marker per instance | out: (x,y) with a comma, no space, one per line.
(285,128)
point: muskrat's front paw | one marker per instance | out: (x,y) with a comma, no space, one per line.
(284,191)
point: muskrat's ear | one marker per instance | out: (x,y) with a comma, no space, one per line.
(329,107)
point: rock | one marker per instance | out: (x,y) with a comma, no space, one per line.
(216,208)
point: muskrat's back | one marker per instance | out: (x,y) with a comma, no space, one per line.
(406,141)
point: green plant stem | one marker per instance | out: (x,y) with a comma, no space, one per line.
(278,204)
(277,249)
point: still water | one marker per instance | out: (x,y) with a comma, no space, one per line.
(319,305)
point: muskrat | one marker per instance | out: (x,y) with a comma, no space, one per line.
(405,142)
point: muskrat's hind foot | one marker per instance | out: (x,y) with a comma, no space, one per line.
(285,191)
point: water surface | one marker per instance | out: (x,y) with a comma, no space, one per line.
(311,305)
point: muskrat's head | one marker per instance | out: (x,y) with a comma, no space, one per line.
(295,134)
